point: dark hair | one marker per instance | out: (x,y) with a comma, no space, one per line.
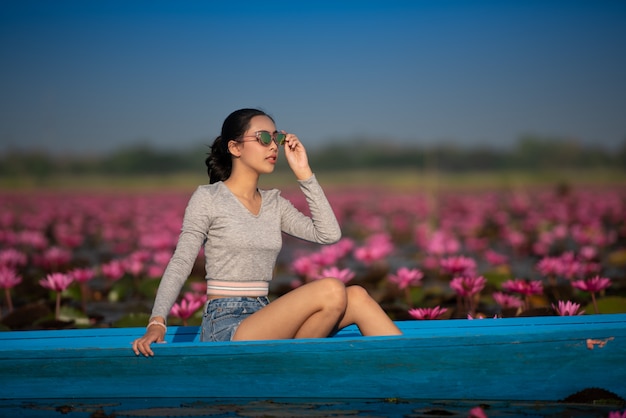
(219,162)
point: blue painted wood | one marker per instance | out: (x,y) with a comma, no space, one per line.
(300,407)
(538,358)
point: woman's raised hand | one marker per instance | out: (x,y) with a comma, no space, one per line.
(297,158)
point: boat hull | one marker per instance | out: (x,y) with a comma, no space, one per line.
(524,359)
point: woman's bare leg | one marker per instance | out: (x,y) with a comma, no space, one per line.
(310,311)
(367,314)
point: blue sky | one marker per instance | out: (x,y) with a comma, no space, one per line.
(89,76)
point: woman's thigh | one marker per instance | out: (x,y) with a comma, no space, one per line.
(223,316)
(282,318)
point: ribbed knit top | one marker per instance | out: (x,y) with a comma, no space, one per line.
(240,246)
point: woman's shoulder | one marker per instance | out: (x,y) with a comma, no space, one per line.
(210,187)
(209,191)
(269,193)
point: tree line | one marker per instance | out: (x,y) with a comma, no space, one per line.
(529,153)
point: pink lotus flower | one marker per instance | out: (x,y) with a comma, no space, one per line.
(550,266)
(527,288)
(198,288)
(468,286)
(427,313)
(196,296)
(162,257)
(341,249)
(588,252)
(570,266)
(113,270)
(617,414)
(589,268)
(567,308)
(565,265)
(477,412)
(12,258)
(9,277)
(186,308)
(376,248)
(331,254)
(34,239)
(495,259)
(592,233)
(441,243)
(68,236)
(8,280)
(157,240)
(154,271)
(458,266)
(406,277)
(430,262)
(516,239)
(305,267)
(593,285)
(323,258)
(345,275)
(57,282)
(523,287)
(134,266)
(82,275)
(54,257)
(507,301)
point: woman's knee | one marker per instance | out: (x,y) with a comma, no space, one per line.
(357,295)
(333,293)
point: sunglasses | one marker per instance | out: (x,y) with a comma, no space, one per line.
(265,138)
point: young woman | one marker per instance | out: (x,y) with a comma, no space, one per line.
(240,227)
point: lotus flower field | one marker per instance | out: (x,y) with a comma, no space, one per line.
(94,259)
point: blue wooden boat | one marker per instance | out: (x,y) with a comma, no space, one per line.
(511,359)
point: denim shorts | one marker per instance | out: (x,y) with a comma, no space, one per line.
(223,316)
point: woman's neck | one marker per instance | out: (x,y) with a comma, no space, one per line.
(244,187)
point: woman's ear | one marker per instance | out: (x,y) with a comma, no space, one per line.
(233,148)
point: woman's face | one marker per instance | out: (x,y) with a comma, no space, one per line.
(255,155)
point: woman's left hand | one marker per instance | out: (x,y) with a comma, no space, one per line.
(297,158)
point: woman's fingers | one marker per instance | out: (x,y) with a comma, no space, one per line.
(292,142)
(143,345)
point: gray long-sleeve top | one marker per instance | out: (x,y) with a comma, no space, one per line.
(238,245)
